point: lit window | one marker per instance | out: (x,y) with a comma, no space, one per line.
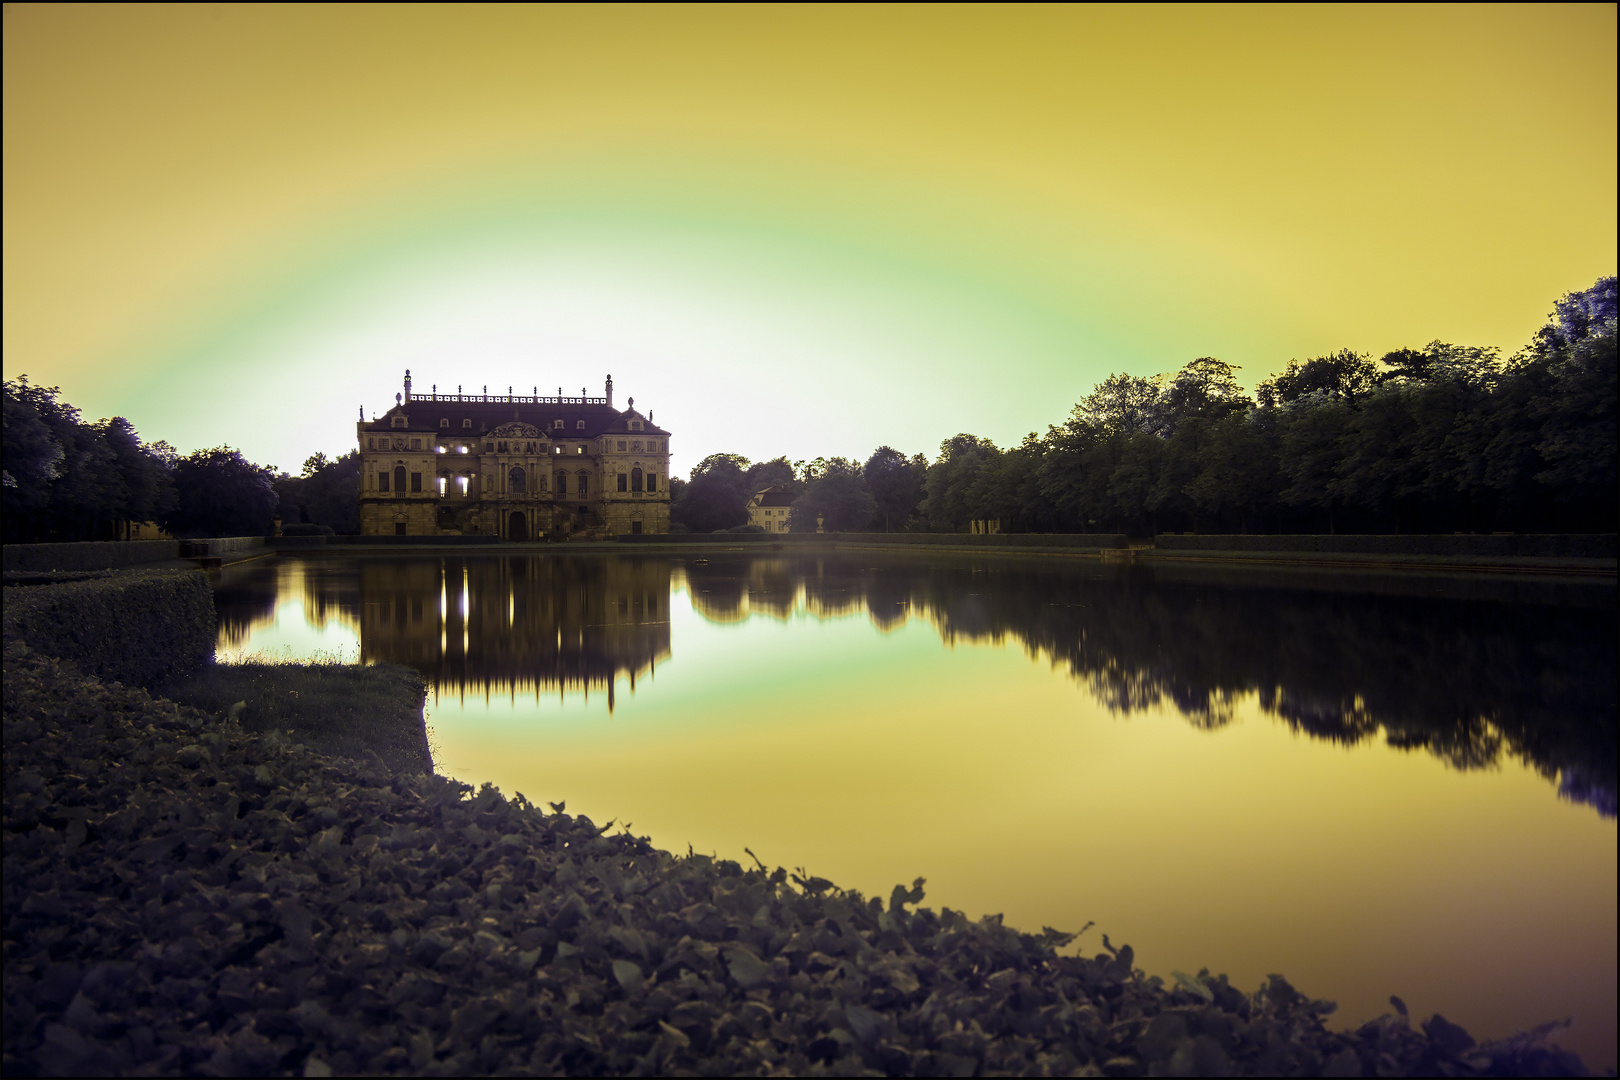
(444,483)
(438,449)
(461,449)
(579,449)
(462,481)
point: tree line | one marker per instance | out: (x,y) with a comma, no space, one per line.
(67,479)
(1441,438)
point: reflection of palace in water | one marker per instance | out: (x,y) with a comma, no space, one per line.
(508,624)
(516,624)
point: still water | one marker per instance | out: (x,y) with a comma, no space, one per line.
(1372,784)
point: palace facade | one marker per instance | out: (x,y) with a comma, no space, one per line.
(513,466)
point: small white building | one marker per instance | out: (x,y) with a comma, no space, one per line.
(768,508)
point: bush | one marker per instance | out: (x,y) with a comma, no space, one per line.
(743,530)
(139,627)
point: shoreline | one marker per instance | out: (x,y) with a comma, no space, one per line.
(187,896)
(1598,570)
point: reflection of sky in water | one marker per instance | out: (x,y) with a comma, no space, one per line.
(873,747)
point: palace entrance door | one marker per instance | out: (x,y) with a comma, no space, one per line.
(519,527)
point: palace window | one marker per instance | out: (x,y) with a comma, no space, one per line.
(416,481)
(562,483)
(462,449)
(399,478)
(382,480)
(371,444)
(623,482)
(516,482)
(489,447)
(580,449)
(635,478)
(621,446)
(467,423)
(416,444)
(445,422)
(583,484)
(444,483)
(557,424)
(400,421)
(652,481)
(462,482)
(635,425)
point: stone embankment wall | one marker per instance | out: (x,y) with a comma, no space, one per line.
(107,555)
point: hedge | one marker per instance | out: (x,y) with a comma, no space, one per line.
(139,627)
(1529,545)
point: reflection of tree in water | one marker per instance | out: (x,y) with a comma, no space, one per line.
(246,596)
(1465,670)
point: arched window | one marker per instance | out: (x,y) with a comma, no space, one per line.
(584,484)
(517,484)
(635,478)
(399,478)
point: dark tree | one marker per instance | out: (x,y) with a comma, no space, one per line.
(838,495)
(716,496)
(896,485)
(220,493)
(1345,374)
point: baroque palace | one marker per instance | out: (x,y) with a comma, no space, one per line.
(518,467)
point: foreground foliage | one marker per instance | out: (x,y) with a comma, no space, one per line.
(183,896)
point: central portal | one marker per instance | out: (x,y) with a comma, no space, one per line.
(519,527)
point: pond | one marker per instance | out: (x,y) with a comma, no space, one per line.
(1372,784)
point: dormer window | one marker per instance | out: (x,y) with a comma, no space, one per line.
(400,421)
(579,425)
(635,425)
(445,422)
(467,423)
(557,425)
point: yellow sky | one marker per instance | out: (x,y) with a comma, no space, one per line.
(734,197)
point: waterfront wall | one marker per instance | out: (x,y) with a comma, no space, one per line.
(1546,546)
(103,555)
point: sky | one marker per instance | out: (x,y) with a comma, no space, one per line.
(784,230)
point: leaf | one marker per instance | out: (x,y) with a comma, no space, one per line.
(1194,984)
(1400,1006)
(748,969)
(629,975)
(866,1024)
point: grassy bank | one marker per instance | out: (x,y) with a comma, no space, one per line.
(343,710)
(182,895)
